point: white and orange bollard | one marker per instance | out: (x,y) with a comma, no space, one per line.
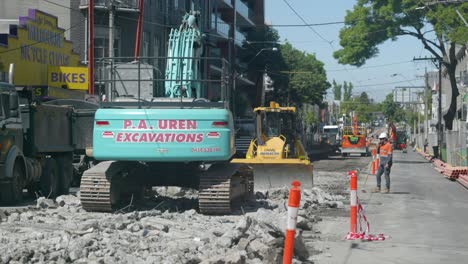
(293,209)
(353,201)
(357,209)
(374,161)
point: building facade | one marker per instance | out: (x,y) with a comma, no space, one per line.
(224,24)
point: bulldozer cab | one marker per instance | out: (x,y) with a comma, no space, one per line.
(277,154)
(275,122)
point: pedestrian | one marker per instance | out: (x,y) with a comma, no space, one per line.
(426,143)
(385,151)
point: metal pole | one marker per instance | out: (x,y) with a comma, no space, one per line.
(111,29)
(139,29)
(461,16)
(263,88)
(439,117)
(232,91)
(426,105)
(139,83)
(91,47)
(111,48)
(11,74)
(419,123)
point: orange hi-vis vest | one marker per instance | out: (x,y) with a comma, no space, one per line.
(386,150)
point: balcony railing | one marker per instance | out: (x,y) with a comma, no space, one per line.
(239,38)
(226,2)
(245,12)
(121,4)
(220,26)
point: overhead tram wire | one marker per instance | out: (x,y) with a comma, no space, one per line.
(305,24)
(144,21)
(313,30)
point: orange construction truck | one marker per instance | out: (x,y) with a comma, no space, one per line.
(354,140)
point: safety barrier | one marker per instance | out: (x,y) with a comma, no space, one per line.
(357,213)
(353,200)
(460,174)
(293,209)
(374,161)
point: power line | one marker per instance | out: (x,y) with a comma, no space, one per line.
(379,84)
(305,22)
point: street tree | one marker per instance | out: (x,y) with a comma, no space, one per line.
(392,110)
(372,22)
(347,91)
(257,51)
(307,76)
(336,90)
(364,98)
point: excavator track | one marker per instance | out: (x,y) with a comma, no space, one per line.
(99,186)
(222,185)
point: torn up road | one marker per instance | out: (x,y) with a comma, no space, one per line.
(166,229)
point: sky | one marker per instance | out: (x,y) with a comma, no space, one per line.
(393,66)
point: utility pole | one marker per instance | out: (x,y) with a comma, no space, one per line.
(439,115)
(426,105)
(232,57)
(419,116)
(91,47)
(440,128)
(111,28)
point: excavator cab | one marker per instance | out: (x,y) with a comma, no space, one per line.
(276,153)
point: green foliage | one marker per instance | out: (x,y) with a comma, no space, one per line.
(362,106)
(262,38)
(347,91)
(336,90)
(364,98)
(307,80)
(392,110)
(372,22)
(310,118)
(242,104)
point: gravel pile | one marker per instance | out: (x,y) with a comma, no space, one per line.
(165,230)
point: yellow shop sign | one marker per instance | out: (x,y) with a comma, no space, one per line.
(34,45)
(75,78)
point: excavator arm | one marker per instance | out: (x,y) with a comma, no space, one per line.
(183,63)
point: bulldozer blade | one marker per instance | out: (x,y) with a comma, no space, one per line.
(268,176)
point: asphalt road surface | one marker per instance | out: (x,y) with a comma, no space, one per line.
(425,216)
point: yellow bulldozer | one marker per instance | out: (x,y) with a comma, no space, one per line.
(276,153)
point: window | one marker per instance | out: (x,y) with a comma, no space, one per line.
(101,42)
(156,46)
(146,44)
(160,5)
(176,4)
(101,47)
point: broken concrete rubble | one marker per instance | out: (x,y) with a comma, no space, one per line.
(60,231)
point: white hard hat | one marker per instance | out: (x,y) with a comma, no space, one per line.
(383,135)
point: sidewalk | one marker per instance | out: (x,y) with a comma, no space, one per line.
(425,215)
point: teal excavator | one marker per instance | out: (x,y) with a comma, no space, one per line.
(182,139)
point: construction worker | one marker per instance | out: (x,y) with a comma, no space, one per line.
(385,151)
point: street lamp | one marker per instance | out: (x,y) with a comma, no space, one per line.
(260,51)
